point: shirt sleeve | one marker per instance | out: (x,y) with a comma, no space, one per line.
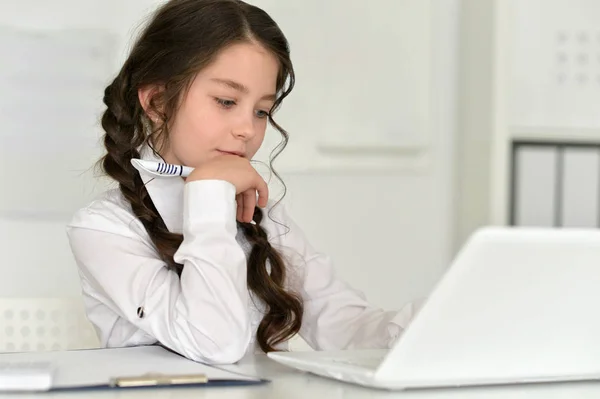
(204,314)
(336,316)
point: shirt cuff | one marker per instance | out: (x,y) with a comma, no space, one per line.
(208,201)
(402,319)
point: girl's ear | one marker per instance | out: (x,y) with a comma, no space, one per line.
(145,95)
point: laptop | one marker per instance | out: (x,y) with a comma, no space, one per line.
(517,305)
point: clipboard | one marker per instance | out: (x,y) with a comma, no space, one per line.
(127,368)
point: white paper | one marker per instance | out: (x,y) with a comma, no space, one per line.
(536,185)
(96,367)
(580,191)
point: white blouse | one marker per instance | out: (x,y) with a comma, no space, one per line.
(208,314)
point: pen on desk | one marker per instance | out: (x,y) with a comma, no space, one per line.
(161,168)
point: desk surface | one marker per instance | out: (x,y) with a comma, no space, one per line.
(290,384)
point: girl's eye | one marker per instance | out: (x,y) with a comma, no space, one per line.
(230,103)
(225,103)
(262,114)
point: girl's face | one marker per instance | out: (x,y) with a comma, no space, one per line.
(225,109)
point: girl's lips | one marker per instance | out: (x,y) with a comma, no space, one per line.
(238,153)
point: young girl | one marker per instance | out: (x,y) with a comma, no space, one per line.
(193,264)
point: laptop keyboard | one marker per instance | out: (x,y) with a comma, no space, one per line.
(367,362)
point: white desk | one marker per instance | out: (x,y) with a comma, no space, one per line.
(289,384)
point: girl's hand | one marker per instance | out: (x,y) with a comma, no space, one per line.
(239,172)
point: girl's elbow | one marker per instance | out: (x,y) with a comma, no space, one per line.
(227,348)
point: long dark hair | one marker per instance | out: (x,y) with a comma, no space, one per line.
(183,37)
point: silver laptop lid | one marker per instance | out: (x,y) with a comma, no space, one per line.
(517,304)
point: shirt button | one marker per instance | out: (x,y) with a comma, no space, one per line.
(140,312)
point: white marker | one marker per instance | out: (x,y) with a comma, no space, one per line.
(161,168)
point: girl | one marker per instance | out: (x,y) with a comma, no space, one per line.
(193,264)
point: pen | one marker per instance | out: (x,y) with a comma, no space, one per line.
(161,168)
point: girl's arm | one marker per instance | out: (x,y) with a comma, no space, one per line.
(204,314)
(336,316)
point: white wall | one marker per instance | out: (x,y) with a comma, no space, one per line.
(390,231)
(529,71)
(545,82)
(475,117)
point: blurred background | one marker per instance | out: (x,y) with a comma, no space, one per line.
(413,123)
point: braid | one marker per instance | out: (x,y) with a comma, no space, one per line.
(124,129)
(124,135)
(182,38)
(284,315)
